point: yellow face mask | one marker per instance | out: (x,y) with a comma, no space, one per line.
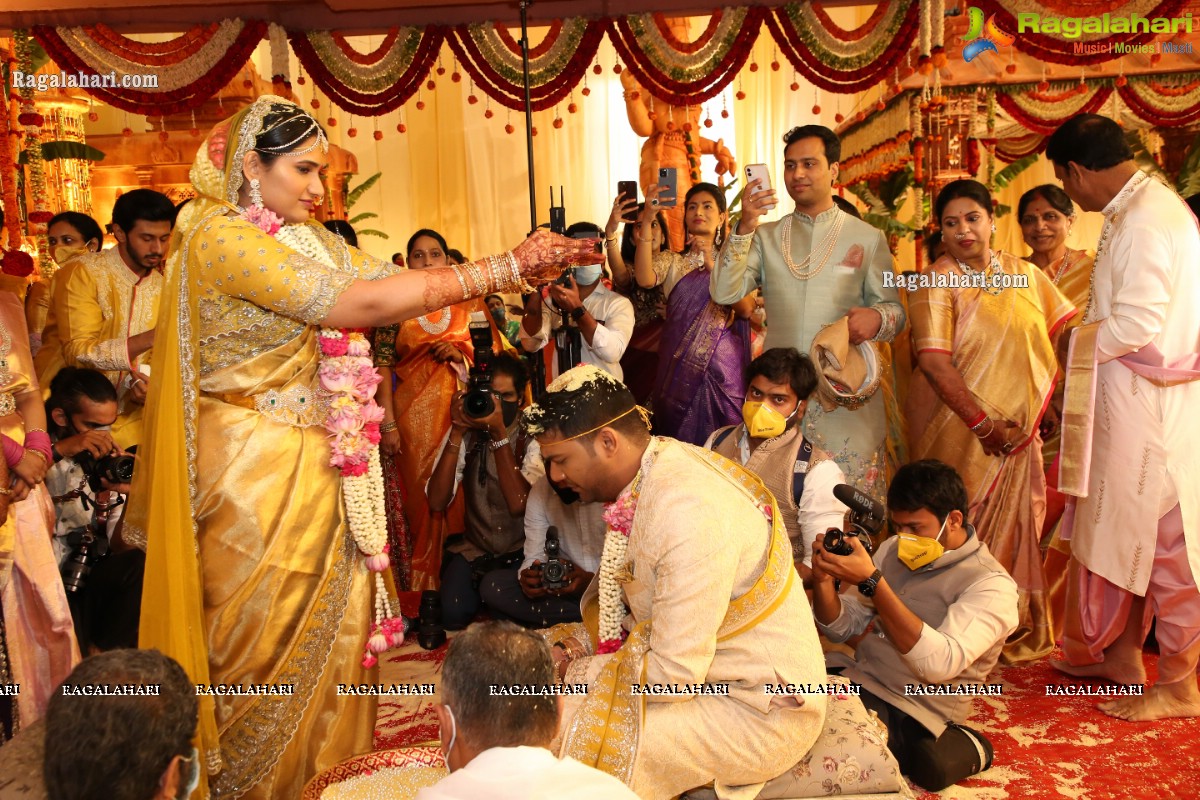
(917,551)
(764,422)
(65,252)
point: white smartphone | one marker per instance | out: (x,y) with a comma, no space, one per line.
(760,173)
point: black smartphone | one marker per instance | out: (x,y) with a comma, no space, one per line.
(668,197)
(628,190)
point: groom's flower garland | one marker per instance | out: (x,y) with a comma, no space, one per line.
(348,378)
(618,515)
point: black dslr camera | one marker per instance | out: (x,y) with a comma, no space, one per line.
(79,565)
(114,469)
(866,518)
(554,571)
(478,401)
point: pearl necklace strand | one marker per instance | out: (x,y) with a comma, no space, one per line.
(804,270)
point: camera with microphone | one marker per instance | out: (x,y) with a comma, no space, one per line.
(866,519)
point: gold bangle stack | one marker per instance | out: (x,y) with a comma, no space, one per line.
(387,427)
(462,282)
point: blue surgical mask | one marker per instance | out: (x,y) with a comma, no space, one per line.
(587,275)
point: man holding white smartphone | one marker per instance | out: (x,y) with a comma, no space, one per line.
(816,266)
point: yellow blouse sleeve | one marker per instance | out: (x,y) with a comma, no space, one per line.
(236,259)
(931,313)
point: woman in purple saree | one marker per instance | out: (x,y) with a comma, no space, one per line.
(704,347)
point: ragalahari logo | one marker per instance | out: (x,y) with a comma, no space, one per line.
(980,37)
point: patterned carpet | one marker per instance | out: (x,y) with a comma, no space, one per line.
(1047,747)
(1062,747)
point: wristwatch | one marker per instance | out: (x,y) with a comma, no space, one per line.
(578,313)
(867,587)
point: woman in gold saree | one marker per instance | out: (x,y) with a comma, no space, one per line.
(38,643)
(987,368)
(252,575)
(1046,214)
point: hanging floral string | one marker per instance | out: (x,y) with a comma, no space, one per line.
(840,64)
(686,74)
(557,64)
(369,84)
(189,70)
(32,120)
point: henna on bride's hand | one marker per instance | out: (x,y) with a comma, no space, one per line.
(441,288)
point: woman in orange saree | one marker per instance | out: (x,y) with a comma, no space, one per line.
(429,358)
(987,366)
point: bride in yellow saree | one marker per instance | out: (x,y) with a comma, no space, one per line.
(252,576)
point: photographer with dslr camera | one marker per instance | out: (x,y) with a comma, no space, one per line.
(941,606)
(590,323)
(488,455)
(90,475)
(564,539)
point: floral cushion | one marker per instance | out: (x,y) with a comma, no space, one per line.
(850,759)
(395,774)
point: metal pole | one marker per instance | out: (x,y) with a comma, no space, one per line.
(524,6)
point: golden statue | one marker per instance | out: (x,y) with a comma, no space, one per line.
(673,140)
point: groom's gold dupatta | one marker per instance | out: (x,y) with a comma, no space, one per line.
(604,732)
(161,516)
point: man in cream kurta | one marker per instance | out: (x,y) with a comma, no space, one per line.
(834,268)
(103,314)
(700,540)
(1135,527)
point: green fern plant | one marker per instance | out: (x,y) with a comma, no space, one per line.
(353,196)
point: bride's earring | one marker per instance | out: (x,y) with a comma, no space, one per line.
(255,193)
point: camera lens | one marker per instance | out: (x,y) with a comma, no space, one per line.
(479,403)
(430,633)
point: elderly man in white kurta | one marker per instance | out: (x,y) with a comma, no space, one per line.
(696,610)
(1135,525)
(814,267)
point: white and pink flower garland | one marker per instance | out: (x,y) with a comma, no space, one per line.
(348,379)
(618,515)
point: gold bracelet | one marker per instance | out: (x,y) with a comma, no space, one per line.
(35,430)
(387,427)
(5,491)
(37,453)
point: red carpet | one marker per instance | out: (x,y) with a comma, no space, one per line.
(1047,747)
(1062,747)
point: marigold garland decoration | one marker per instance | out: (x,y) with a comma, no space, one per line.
(190,69)
(368,84)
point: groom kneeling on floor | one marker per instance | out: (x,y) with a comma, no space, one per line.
(695,610)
